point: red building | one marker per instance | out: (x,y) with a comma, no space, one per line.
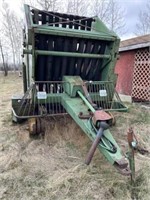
(133,68)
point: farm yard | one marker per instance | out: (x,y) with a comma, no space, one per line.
(53,167)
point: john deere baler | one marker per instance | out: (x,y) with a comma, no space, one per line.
(68,68)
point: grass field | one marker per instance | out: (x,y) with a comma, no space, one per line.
(53,168)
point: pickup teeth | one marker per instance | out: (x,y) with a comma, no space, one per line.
(41,99)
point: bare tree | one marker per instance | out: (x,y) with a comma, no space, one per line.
(100,8)
(69,6)
(116,14)
(5,67)
(17,32)
(49,5)
(12,28)
(111,13)
(77,7)
(32,3)
(143,25)
(7,25)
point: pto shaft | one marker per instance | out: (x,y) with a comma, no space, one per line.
(103,126)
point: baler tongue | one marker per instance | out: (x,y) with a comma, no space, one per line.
(122,166)
(96,123)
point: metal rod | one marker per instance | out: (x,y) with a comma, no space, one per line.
(69,54)
(103,126)
(86,102)
(131,154)
(49,30)
(94,146)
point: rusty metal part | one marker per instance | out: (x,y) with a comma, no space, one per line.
(142,150)
(132,141)
(131,137)
(103,126)
(86,93)
(122,166)
(83,116)
(124,171)
(100,115)
(122,163)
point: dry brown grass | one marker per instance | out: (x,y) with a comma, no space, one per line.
(53,167)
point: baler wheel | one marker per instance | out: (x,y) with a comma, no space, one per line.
(40,128)
(35,127)
(32,126)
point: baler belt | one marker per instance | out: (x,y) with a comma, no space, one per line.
(64,59)
(49,63)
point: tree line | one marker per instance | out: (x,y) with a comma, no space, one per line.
(109,11)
